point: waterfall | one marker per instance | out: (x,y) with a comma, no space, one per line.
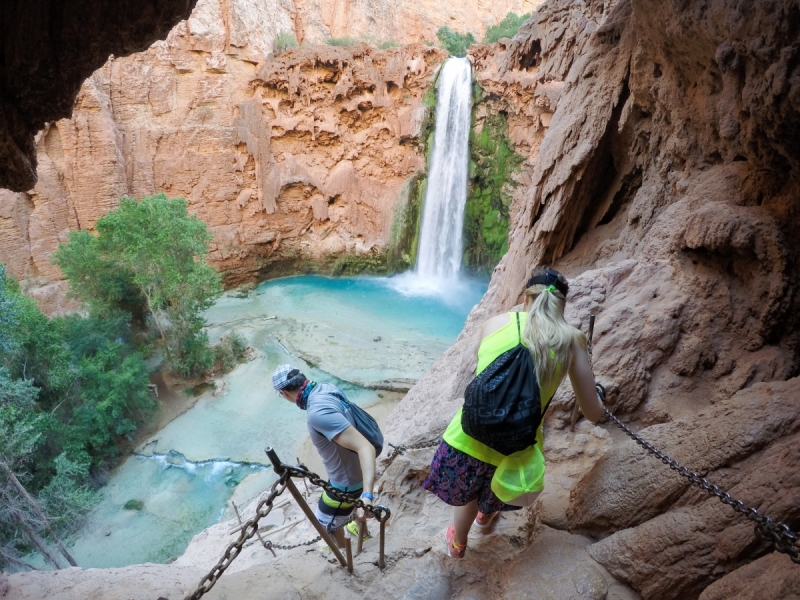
(440,241)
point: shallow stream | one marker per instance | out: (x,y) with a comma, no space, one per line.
(366,335)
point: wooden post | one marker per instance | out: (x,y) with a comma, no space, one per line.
(574,418)
(348,548)
(241,523)
(381,555)
(279,469)
(362,527)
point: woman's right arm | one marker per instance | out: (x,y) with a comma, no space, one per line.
(582,379)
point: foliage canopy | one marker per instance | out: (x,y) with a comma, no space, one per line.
(507,28)
(455,43)
(72,391)
(148,260)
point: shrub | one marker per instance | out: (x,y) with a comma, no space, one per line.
(195,356)
(455,43)
(231,350)
(343,41)
(134,504)
(283,41)
(388,44)
(68,498)
(492,164)
(507,28)
(72,390)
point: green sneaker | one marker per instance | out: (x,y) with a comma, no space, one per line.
(352,527)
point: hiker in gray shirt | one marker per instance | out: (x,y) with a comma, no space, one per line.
(348,456)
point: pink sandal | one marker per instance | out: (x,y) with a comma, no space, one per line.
(454,549)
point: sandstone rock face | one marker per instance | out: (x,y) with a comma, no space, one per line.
(665,190)
(682,550)
(403,21)
(296,162)
(292,159)
(774,576)
(49,49)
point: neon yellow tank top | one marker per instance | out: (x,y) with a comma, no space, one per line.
(492,346)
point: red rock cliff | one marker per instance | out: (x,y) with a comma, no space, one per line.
(667,187)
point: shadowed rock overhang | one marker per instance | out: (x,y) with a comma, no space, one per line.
(49,47)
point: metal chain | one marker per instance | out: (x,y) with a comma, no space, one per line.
(401,449)
(270,545)
(398,450)
(775,532)
(381,513)
(248,530)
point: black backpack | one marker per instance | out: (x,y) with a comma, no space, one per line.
(364,423)
(502,405)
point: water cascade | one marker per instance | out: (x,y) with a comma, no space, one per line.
(440,241)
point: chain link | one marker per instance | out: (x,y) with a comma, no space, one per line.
(775,532)
(248,530)
(269,545)
(381,513)
(398,450)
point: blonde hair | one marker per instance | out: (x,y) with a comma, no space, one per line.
(548,336)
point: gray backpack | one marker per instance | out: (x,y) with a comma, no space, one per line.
(363,422)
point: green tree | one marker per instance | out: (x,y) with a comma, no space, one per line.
(23,522)
(34,348)
(72,390)
(8,314)
(507,28)
(149,260)
(113,402)
(284,40)
(455,43)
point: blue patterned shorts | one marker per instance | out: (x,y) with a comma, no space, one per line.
(458,479)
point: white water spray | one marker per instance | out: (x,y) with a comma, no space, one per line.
(440,242)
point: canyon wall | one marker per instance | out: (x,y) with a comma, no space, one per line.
(294,161)
(49,49)
(401,21)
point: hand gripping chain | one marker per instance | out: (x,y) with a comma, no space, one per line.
(381,513)
(778,534)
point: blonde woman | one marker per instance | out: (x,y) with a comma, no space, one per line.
(463,468)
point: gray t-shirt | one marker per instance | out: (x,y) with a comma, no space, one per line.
(328,417)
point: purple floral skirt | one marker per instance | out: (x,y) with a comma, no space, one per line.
(458,479)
